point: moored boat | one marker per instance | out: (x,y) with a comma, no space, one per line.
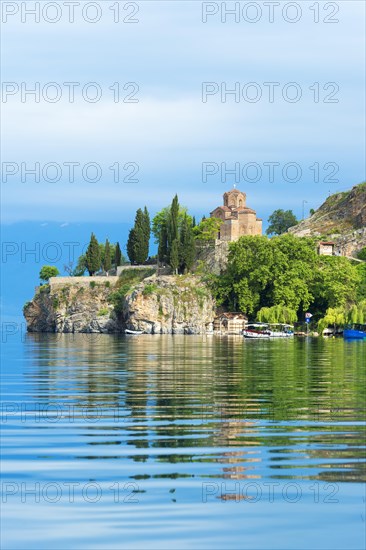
(355,332)
(136,332)
(256,330)
(268,330)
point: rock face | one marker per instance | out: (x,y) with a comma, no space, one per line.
(71,307)
(170,305)
(157,305)
(341,218)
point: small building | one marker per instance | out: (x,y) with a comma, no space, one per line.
(326,248)
(230,323)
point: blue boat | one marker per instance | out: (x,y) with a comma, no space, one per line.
(356,331)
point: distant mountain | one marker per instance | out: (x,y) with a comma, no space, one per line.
(341,218)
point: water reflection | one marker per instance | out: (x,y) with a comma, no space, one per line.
(212,407)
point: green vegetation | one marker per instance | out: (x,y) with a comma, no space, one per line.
(280,221)
(362,254)
(92,284)
(118,255)
(128,279)
(150,289)
(107,258)
(103,311)
(173,231)
(277,314)
(93,256)
(139,237)
(208,229)
(44,288)
(47,272)
(286,272)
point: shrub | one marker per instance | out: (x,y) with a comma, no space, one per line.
(92,284)
(150,289)
(361,255)
(103,311)
(44,288)
(107,284)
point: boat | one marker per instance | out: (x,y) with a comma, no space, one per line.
(281,330)
(355,332)
(268,330)
(136,332)
(256,330)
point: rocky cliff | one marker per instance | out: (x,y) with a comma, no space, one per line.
(170,305)
(341,218)
(75,306)
(156,305)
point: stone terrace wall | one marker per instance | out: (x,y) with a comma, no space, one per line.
(81,281)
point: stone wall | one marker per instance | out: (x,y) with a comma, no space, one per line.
(81,281)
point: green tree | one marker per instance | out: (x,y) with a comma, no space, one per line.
(107,261)
(266,272)
(138,240)
(131,246)
(277,314)
(174,256)
(336,282)
(280,221)
(208,229)
(147,229)
(117,255)
(173,225)
(92,256)
(80,267)
(47,272)
(187,250)
(163,245)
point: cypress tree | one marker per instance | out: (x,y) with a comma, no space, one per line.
(174,256)
(107,256)
(187,246)
(141,245)
(131,245)
(173,225)
(118,255)
(163,245)
(138,240)
(147,230)
(92,256)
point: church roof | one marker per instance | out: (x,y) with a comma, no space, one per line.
(225,208)
(244,209)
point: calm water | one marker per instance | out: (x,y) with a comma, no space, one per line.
(182,442)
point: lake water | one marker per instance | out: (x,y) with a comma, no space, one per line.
(183,442)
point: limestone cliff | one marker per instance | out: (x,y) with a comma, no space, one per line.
(341,218)
(75,306)
(156,305)
(170,305)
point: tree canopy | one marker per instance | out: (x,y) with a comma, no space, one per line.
(48,271)
(286,271)
(280,221)
(139,238)
(93,256)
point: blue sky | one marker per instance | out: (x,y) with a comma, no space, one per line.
(170,132)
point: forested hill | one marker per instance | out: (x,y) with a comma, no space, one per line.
(341,214)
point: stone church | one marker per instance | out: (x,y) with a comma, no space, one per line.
(238,219)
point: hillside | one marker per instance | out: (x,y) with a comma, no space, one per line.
(341,218)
